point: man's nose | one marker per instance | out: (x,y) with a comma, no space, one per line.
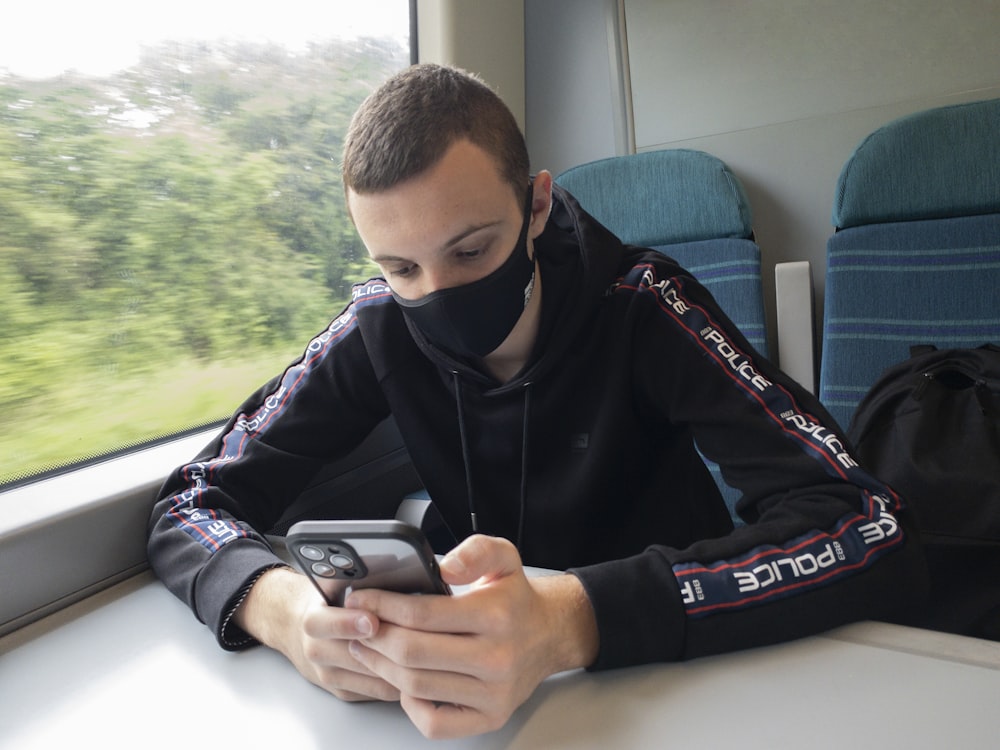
(436,279)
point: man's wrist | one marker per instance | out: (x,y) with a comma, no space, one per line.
(271,605)
(577,642)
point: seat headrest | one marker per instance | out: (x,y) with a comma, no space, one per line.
(939,163)
(662,197)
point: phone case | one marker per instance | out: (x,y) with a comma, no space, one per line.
(339,556)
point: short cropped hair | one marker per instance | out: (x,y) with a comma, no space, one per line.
(405,126)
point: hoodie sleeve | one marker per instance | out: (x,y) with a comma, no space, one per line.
(824,543)
(203,539)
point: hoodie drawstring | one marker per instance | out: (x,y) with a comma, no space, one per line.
(524,462)
(467,458)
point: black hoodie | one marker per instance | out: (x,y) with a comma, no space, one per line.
(587,459)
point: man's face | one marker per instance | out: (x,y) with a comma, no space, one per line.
(448,226)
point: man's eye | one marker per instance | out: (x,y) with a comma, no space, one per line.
(402,271)
(469,254)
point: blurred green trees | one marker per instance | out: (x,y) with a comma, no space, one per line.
(169,237)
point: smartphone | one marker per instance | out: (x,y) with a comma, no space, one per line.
(339,556)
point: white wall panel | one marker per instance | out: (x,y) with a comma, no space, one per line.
(716,66)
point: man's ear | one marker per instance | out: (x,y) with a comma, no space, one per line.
(541,203)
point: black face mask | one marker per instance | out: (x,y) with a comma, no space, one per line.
(474,319)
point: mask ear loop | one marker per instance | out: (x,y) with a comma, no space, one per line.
(548,211)
(528,215)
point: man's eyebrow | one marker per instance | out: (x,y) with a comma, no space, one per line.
(468,231)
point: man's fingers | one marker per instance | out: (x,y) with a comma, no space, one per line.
(335,622)
(442,652)
(480,557)
(463,663)
(442,721)
(427,684)
(355,685)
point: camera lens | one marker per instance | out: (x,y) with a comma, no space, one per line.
(310,552)
(324,570)
(342,561)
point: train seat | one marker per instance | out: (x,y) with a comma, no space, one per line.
(915,258)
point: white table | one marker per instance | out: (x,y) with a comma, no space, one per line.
(131,668)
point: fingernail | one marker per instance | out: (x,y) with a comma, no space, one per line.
(453,564)
(363,625)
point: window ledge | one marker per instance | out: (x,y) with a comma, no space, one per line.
(68,536)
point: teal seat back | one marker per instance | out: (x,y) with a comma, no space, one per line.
(915,258)
(688,205)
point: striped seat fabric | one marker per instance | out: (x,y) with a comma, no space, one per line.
(688,205)
(916,255)
(730,270)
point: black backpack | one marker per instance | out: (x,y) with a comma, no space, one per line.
(930,428)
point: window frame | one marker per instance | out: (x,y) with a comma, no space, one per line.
(68,536)
(71,531)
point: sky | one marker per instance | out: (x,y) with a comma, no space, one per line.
(43,38)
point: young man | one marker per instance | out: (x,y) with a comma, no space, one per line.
(550,385)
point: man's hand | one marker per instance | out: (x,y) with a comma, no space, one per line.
(463,664)
(284,611)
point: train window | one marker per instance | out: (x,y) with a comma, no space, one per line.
(172,224)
